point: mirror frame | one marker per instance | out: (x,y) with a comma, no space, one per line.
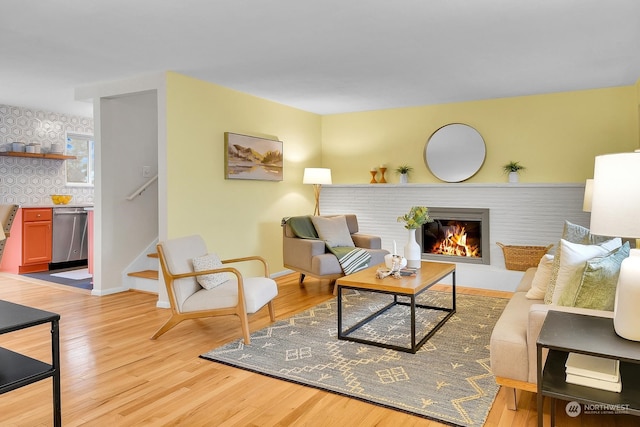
(455,152)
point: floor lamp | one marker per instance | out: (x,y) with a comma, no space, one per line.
(615,211)
(317,177)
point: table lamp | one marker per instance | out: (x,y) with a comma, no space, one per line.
(588,196)
(317,177)
(615,211)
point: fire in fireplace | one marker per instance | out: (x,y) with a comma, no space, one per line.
(457,234)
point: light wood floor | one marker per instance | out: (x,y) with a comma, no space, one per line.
(114,375)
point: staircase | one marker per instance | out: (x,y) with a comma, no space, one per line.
(145,280)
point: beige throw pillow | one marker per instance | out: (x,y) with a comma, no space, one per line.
(574,257)
(541,278)
(333,230)
(209,262)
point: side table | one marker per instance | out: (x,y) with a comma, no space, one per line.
(18,370)
(563,333)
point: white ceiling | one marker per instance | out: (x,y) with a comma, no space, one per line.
(323,56)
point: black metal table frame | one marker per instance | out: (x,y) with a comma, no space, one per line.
(35,370)
(344,335)
(593,335)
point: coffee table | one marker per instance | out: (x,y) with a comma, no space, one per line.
(408,287)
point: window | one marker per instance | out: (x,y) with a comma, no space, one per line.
(79,170)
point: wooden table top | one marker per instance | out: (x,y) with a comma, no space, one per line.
(429,274)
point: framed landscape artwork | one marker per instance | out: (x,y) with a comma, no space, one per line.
(250,157)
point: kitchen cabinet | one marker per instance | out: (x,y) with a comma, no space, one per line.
(28,249)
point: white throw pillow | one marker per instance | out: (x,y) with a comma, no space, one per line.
(541,278)
(573,260)
(209,262)
(333,230)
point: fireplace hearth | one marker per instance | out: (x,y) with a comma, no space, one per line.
(456,235)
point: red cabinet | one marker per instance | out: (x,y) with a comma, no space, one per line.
(28,248)
(36,240)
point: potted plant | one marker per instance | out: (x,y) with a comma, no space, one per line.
(404,170)
(513,169)
(414,219)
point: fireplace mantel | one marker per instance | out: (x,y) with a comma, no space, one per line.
(521,214)
(467,185)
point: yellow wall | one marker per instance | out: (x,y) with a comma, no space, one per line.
(556,136)
(235,217)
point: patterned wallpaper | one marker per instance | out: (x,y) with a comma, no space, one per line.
(30,181)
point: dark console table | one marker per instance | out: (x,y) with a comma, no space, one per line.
(18,370)
(563,333)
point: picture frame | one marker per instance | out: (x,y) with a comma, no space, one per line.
(252,158)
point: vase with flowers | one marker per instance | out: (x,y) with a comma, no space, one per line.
(413,220)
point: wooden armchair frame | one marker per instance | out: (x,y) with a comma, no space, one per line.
(239,310)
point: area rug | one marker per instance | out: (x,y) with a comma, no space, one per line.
(74,281)
(448,380)
(79,274)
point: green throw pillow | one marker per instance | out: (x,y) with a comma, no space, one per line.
(572,233)
(597,289)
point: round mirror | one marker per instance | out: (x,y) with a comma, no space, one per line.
(455,152)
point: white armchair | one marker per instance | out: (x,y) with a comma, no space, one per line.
(189,300)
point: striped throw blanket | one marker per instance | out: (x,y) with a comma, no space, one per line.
(351,259)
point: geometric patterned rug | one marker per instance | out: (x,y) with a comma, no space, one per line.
(449,379)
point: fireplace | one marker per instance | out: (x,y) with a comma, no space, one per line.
(456,235)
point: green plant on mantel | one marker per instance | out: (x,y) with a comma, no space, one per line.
(404,169)
(513,167)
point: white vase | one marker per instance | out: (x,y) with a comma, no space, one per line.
(404,178)
(412,250)
(626,316)
(513,176)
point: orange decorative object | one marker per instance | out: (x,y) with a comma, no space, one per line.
(373,177)
(382,180)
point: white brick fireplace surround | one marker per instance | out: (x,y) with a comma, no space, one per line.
(520,214)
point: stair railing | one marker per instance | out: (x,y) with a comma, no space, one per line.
(143,187)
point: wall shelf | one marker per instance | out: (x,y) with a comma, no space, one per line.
(38,155)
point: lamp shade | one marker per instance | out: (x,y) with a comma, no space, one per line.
(316,176)
(588,195)
(615,206)
(614,212)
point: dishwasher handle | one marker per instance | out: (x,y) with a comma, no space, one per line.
(70,213)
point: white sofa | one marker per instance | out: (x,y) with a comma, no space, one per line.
(513,340)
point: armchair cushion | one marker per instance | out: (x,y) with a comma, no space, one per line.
(258,291)
(333,230)
(209,262)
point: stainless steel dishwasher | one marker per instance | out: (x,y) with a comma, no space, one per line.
(69,235)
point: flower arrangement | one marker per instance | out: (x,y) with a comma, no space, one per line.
(417,216)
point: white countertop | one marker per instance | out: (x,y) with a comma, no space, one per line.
(51,205)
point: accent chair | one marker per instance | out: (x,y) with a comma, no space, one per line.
(200,285)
